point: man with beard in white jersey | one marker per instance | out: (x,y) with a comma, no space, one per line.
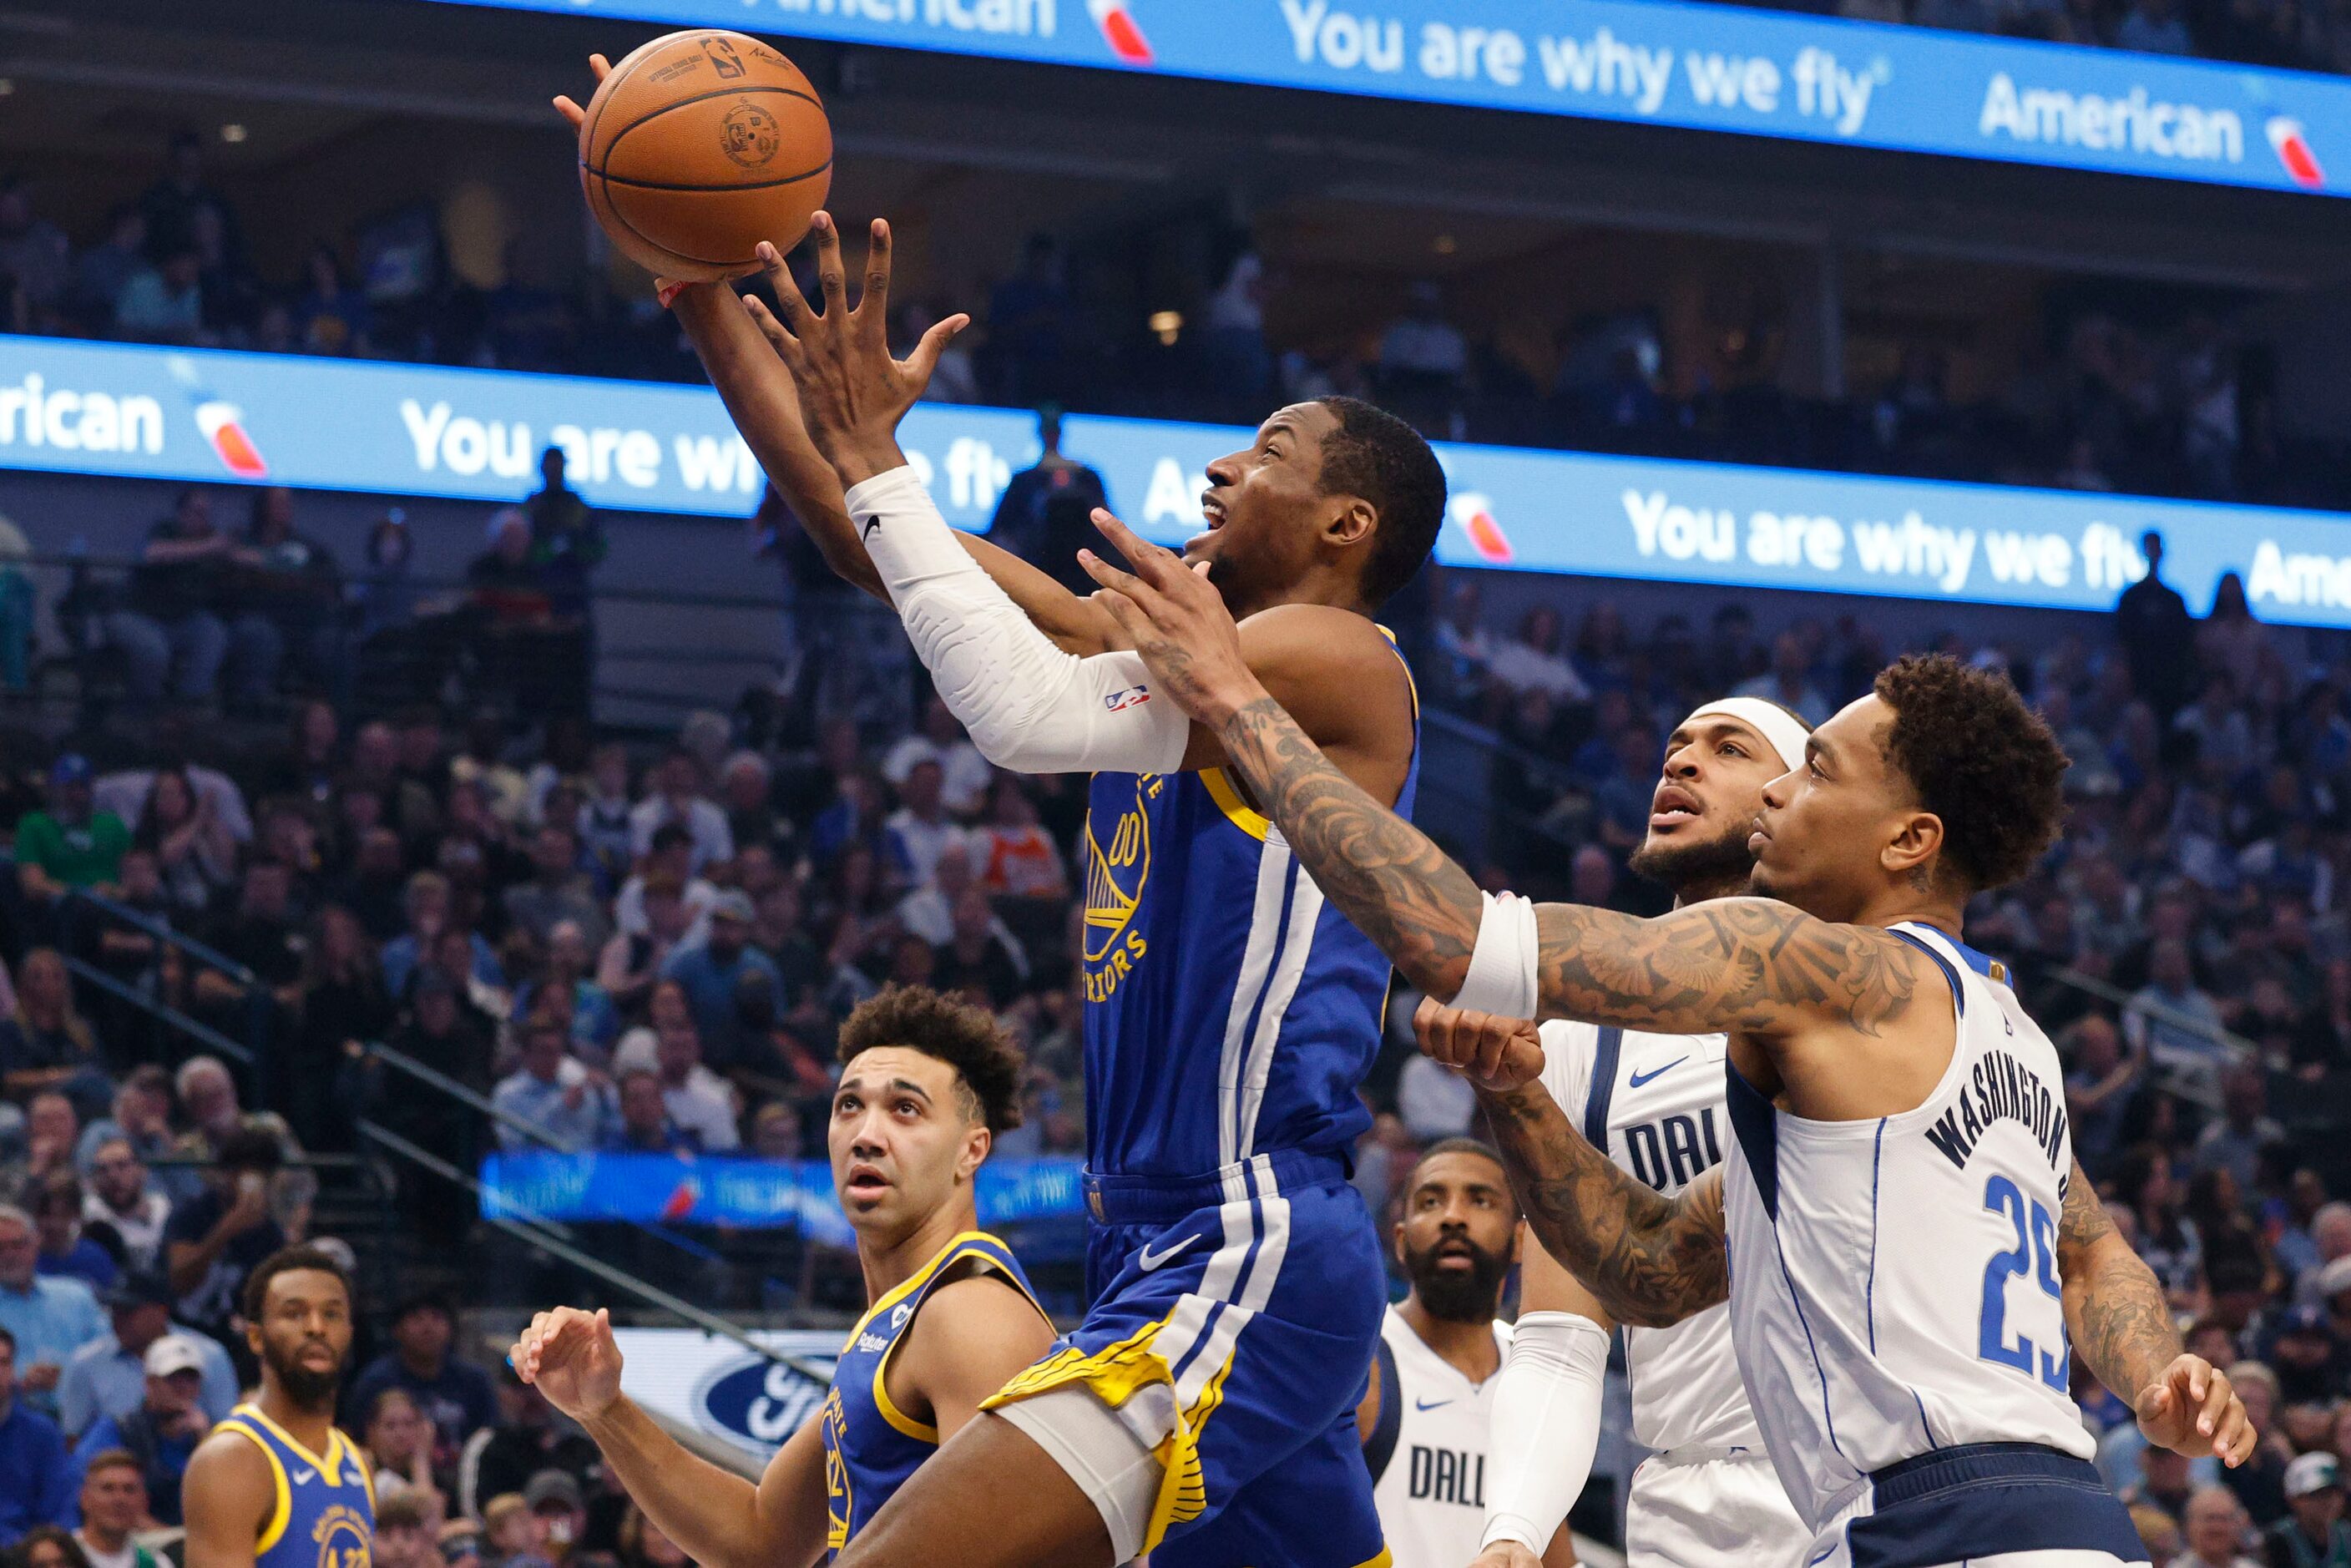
(1654,1103)
(1426,1420)
(1917,1254)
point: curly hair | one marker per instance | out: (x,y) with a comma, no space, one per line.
(1980,759)
(968,1038)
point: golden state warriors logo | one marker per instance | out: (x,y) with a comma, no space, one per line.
(1116,869)
(836,1474)
(343,1536)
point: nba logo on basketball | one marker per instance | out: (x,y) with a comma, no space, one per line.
(723,59)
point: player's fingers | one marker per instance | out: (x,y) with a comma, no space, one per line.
(790,303)
(925,357)
(570,111)
(2217,1397)
(1125,584)
(1123,609)
(779,338)
(873,299)
(1156,565)
(600,66)
(831,279)
(2237,1439)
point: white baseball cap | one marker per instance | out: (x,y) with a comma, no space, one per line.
(173,1353)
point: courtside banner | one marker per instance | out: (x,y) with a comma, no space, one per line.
(339,424)
(714,1386)
(743,1193)
(1715,68)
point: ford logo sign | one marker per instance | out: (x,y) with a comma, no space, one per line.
(762,1402)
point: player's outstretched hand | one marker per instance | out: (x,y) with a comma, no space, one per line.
(1177,622)
(1497,1054)
(566,106)
(852,393)
(572,1358)
(2193,1410)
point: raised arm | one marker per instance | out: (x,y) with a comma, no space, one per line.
(1646,1259)
(729,337)
(2122,1327)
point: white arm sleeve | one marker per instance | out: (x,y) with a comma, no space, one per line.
(1546,1426)
(1030,706)
(1501,978)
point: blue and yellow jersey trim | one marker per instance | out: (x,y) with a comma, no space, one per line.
(971,1245)
(1248,817)
(343,1459)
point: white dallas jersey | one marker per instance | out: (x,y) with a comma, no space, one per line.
(1894,1282)
(1654,1103)
(1427,1450)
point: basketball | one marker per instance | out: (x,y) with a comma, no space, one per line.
(698,146)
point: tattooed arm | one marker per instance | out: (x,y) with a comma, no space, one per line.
(1646,1259)
(2123,1329)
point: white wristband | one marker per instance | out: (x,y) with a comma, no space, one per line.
(1501,978)
(1546,1426)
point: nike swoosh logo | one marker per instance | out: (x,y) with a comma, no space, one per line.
(1430,1404)
(872,523)
(304,1478)
(1147,1260)
(1640,1078)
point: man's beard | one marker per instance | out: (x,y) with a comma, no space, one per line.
(1468,1297)
(1723,858)
(307,1388)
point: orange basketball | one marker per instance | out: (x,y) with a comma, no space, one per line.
(700,145)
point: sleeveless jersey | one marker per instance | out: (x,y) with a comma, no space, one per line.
(1229,1010)
(325,1512)
(1653,1103)
(870,1446)
(1894,1282)
(1427,1450)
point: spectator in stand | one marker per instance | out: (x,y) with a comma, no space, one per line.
(66,1253)
(2217,1531)
(2243,1134)
(1018,857)
(980,959)
(107,1376)
(2157,634)
(32,251)
(919,830)
(451,1391)
(1044,516)
(928,911)
(125,1202)
(213,1240)
(714,971)
(645,1125)
(428,901)
(963,774)
(172,621)
(1424,360)
(48,1317)
(2172,1020)
(587,1012)
(36,1477)
(399,1439)
(162,1432)
(141,1117)
(195,855)
(1789,682)
(1536,660)
(513,1533)
(70,842)
(527,1437)
(560,891)
(676,800)
(630,964)
(2100,1087)
(557,1094)
(330,317)
(289,594)
(115,1506)
(2313,1535)
(344,1006)
(163,302)
(1239,366)
(404,1535)
(51,1133)
(48,1046)
(1030,325)
(1434,1105)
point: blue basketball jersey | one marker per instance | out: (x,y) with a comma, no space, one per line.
(325,1514)
(1229,1010)
(870,1446)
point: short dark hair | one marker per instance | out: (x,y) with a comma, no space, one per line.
(290,1260)
(403,1510)
(1378,457)
(1981,759)
(1477,1147)
(967,1038)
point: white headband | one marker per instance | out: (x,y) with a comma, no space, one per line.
(1775,724)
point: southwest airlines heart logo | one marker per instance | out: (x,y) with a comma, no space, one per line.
(2291,145)
(1475,514)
